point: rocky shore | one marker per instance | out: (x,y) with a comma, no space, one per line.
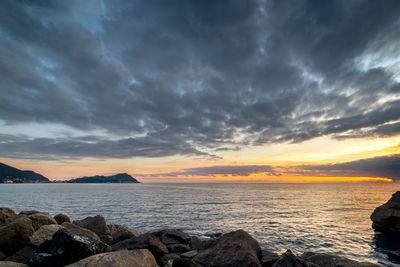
(34,238)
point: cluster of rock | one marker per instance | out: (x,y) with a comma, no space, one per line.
(34,238)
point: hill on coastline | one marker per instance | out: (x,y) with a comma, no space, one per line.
(118,178)
(10,174)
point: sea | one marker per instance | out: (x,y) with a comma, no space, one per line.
(329,218)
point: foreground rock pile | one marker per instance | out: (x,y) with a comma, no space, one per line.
(34,238)
(386,218)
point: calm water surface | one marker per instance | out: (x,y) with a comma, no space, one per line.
(330,218)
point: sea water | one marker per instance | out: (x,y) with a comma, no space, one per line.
(330,218)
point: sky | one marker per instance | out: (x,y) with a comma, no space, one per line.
(202,91)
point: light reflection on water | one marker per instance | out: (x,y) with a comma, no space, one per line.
(303,217)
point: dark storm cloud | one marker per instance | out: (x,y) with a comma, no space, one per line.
(234,170)
(386,166)
(186,78)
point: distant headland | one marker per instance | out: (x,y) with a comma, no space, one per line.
(10,175)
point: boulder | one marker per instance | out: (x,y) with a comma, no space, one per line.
(6,213)
(98,225)
(327,260)
(61,218)
(64,248)
(199,243)
(172,236)
(22,256)
(2,256)
(268,258)
(288,259)
(386,218)
(149,241)
(123,258)
(41,218)
(77,230)
(185,262)
(12,264)
(15,234)
(44,232)
(236,248)
(28,212)
(167,259)
(178,248)
(120,233)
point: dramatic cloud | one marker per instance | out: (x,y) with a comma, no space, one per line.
(162,78)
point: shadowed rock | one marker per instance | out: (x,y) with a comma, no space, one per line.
(123,258)
(22,256)
(77,230)
(44,232)
(6,213)
(120,233)
(61,218)
(237,248)
(172,236)
(64,248)
(199,243)
(268,258)
(288,259)
(386,218)
(98,225)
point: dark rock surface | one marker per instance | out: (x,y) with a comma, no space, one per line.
(77,230)
(22,256)
(172,236)
(178,248)
(61,218)
(120,233)
(44,232)
(236,248)
(268,258)
(288,259)
(64,248)
(98,225)
(6,213)
(386,218)
(199,243)
(41,218)
(123,258)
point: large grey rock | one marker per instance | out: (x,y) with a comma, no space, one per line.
(386,218)
(237,248)
(326,260)
(41,218)
(288,259)
(120,233)
(12,264)
(64,248)
(123,258)
(268,258)
(77,230)
(44,232)
(6,213)
(61,218)
(15,234)
(22,256)
(98,225)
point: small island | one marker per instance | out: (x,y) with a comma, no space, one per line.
(118,178)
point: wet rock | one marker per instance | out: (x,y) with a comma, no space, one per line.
(386,218)
(167,259)
(41,218)
(28,212)
(268,258)
(6,213)
(327,260)
(120,233)
(44,232)
(172,236)
(96,224)
(149,241)
(12,264)
(237,248)
(199,243)
(22,255)
(178,248)
(64,248)
(189,254)
(61,218)
(123,258)
(77,230)
(288,259)
(15,234)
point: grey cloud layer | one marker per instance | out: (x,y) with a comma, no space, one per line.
(170,78)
